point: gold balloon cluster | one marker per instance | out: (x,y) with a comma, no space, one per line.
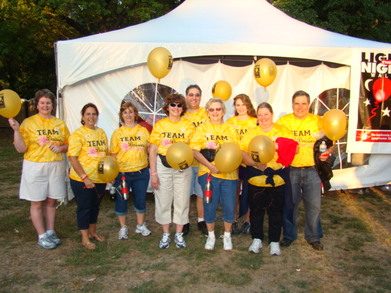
(179,156)
(159,62)
(228,158)
(222,89)
(10,103)
(108,169)
(261,149)
(334,124)
(265,71)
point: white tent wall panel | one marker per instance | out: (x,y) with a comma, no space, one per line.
(107,92)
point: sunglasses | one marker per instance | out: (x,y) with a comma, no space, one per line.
(179,105)
(215,109)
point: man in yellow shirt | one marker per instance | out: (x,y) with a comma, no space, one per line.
(197,115)
(306,184)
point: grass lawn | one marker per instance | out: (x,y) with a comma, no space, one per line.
(356,258)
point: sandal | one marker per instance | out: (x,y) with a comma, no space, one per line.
(89,245)
(98,238)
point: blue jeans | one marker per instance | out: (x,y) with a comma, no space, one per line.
(195,186)
(223,191)
(87,201)
(138,183)
(306,186)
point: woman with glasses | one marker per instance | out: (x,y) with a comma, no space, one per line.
(87,145)
(129,145)
(171,186)
(207,139)
(244,119)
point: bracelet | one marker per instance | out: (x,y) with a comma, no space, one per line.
(153,174)
(84,176)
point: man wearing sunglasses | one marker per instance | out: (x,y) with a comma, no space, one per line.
(197,115)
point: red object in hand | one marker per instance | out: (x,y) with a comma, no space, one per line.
(208,189)
(324,156)
(124,188)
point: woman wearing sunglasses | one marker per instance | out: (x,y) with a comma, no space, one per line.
(171,186)
(244,119)
(207,139)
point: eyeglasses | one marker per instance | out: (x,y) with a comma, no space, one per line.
(215,109)
(194,95)
(179,105)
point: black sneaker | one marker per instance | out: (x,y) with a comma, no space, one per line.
(235,229)
(202,227)
(285,242)
(186,229)
(245,228)
(317,245)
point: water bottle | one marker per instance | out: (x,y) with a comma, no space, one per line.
(322,147)
(208,189)
(124,188)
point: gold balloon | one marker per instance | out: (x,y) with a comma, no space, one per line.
(222,90)
(265,71)
(179,156)
(228,158)
(334,124)
(159,62)
(108,169)
(10,103)
(261,149)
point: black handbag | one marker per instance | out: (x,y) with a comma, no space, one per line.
(164,161)
(209,154)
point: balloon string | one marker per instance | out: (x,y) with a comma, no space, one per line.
(373,111)
(154,104)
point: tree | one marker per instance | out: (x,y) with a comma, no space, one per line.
(368,19)
(29,29)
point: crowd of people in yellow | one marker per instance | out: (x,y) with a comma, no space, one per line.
(254,189)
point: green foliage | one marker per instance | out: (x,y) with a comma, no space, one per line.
(368,19)
(29,29)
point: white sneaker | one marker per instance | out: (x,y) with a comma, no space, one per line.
(210,243)
(227,242)
(179,241)
(275,248)
(165,241)
(123,233)
(46,243)
(53,237)
(255,246)
(143,230)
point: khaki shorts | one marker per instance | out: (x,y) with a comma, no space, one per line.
(43,180)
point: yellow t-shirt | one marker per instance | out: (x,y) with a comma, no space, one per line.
(242,126)
(166,132)
(89,145)
(306,133)
(211,136)
(198,117)
(130,145)
(273,134)
(39,133)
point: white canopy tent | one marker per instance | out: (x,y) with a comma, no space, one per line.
(106,68)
